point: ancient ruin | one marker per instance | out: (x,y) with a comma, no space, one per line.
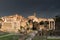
(17,23)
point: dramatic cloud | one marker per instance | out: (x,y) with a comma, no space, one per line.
(44,8)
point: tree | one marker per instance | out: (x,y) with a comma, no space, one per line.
(57,18)
(57,25)
(57,22)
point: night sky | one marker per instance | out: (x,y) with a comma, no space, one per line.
(43,8)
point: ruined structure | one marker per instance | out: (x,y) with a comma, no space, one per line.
(16,23)
(49,22)
(12,23)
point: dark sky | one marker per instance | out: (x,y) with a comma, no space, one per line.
(43,8)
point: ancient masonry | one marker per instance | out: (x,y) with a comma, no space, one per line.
(14,23)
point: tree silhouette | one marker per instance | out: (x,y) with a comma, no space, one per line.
(57,22)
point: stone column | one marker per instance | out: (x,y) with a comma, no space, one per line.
(49,24)
(54,27)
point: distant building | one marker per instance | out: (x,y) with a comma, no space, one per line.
(16,23)
(11,23)
(50,21)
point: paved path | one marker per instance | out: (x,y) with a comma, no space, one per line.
(32,35)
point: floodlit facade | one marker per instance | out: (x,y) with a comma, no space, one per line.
(11,23)
(16,23)
(51,23)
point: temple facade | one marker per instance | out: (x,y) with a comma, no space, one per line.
(16,23)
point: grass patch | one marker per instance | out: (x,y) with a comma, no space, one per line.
(53,39)
(42,38)
(12,37)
